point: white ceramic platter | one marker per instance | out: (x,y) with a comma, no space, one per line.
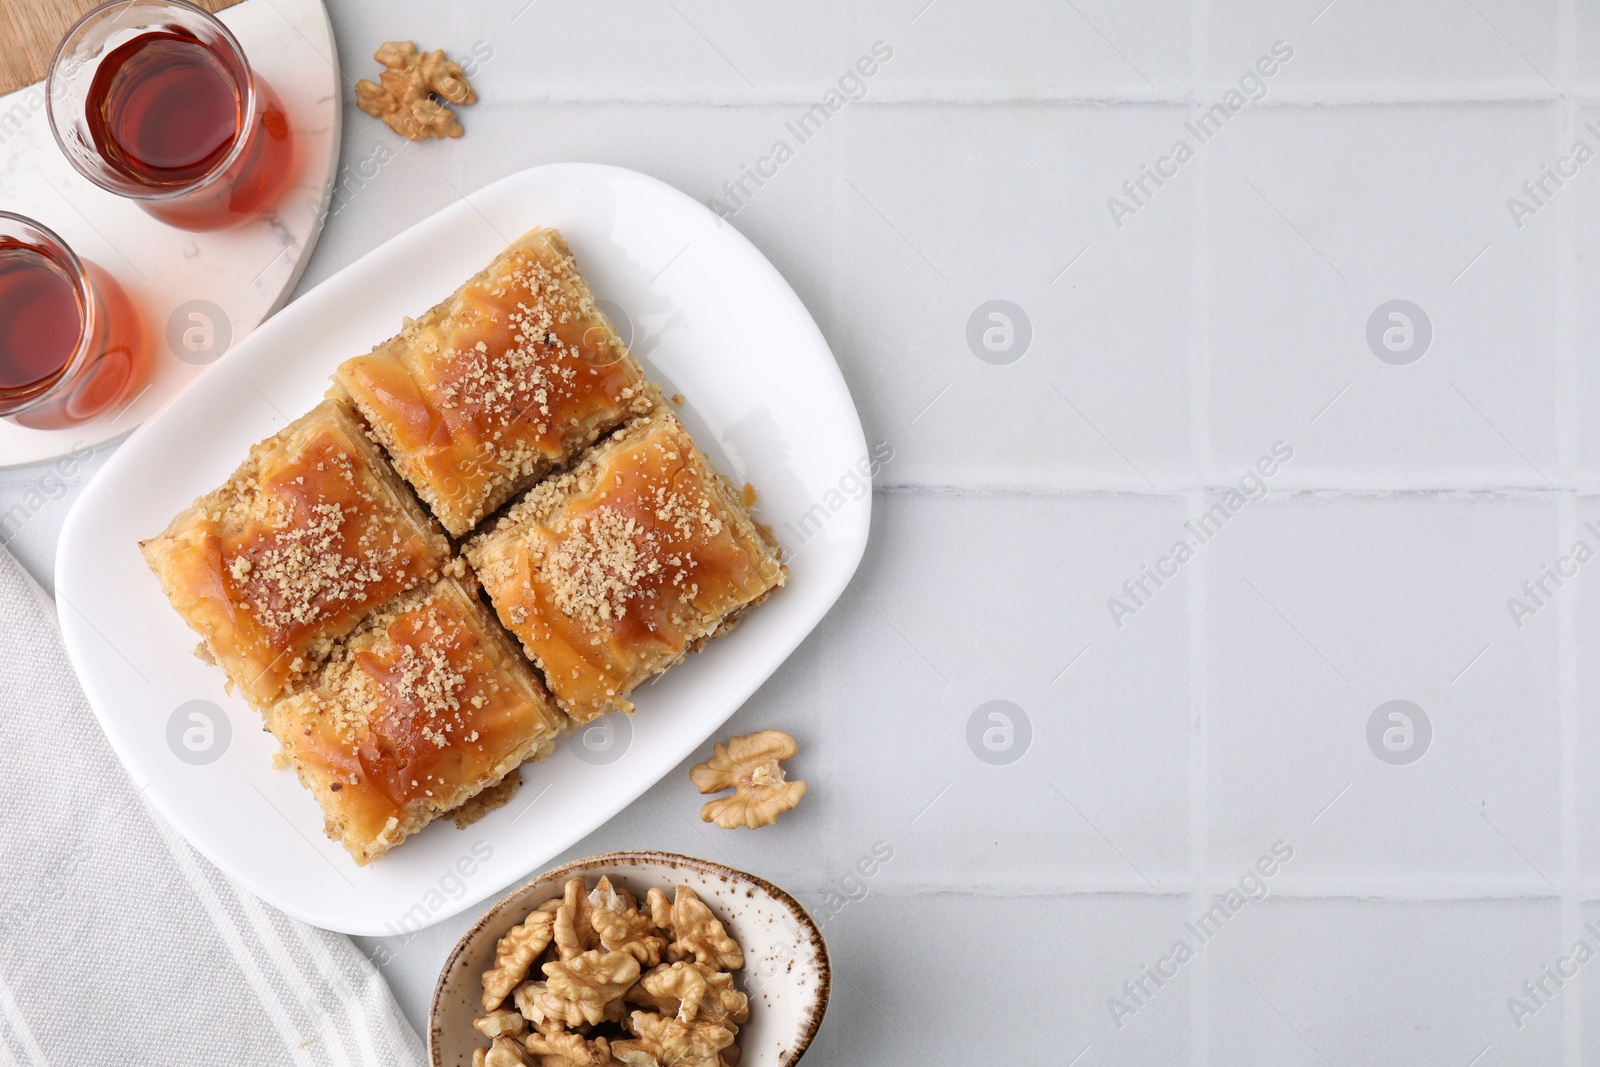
(710,319)
(233,278)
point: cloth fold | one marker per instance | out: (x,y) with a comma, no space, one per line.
(121,944)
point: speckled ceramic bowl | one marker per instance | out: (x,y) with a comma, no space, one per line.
(786,972)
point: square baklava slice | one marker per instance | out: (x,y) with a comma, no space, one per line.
(425,709)
(310,534)
(612,571)
(506,380)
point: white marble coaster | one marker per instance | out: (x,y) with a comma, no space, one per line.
(246,273)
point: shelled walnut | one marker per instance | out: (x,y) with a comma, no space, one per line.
(751,767)
(411,93)
(623,986)
(515,952)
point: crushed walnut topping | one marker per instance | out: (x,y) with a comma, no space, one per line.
(640,537)
(606,558)
(313,552)
(517,394)
(597,568)
(302,568)
(423,665)
(426,676)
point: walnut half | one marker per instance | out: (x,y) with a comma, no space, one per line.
(698,934)
(589,984)
(515,953)
(750,766)
(662,1040)
(411,93)
(569,1050)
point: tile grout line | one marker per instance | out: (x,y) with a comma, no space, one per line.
(1199,810)
(1288,492)
(1566,414)
(836,149)
(1571,908)
(1439,889)
(1403,96)
(1195,593)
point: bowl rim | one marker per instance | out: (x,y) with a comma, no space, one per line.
(812,1019)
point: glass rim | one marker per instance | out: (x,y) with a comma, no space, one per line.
(239,142)
(83,289)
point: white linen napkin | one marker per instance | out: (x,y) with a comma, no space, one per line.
(118,942)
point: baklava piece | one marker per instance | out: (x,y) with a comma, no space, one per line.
(611,572)
(426,708)
(310,534)
(507,380)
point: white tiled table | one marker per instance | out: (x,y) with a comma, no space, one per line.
(1228,312)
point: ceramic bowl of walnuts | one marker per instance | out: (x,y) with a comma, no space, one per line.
(634,959)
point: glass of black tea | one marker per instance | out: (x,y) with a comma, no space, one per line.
(154,100)
(71,345)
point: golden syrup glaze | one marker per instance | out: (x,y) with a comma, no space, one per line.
(611,573)
(510,377)
(302,542)
(416,712)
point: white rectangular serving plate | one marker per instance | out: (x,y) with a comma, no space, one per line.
(708,317)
